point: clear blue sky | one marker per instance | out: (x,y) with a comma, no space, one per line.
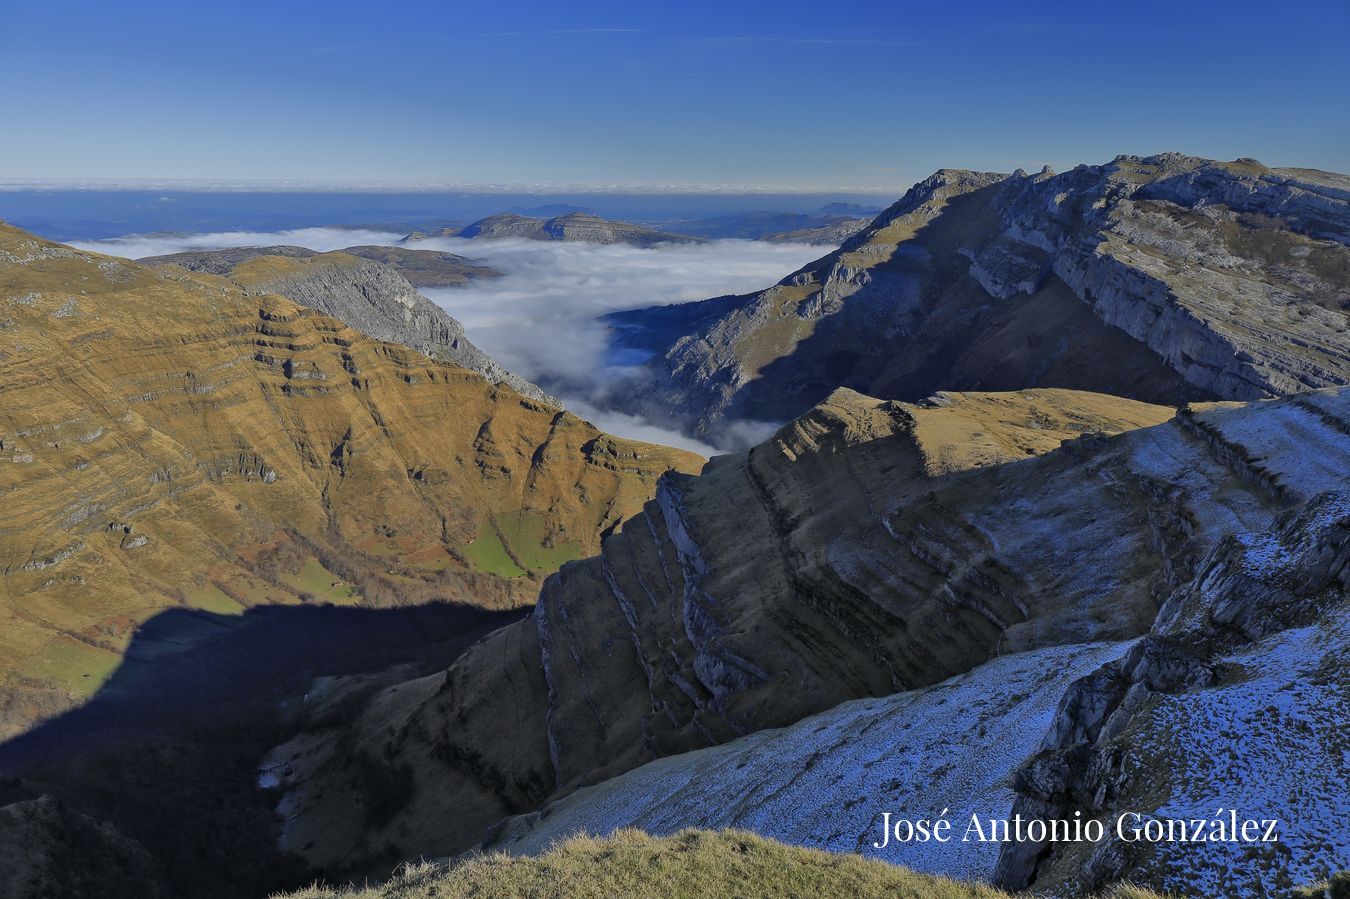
(825,94)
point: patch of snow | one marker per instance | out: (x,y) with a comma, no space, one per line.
(1273,745)
(1302,451)
(827,780)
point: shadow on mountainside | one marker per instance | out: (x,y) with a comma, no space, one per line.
(168,750)
(892,341)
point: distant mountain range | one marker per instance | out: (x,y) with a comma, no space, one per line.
(781,227)
(574,226)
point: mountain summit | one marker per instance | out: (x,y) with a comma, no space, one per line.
(1165,278)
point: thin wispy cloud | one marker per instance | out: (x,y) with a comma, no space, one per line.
(565,31)
(342,48)
(814,41)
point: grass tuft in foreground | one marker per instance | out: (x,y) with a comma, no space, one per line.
(692,863)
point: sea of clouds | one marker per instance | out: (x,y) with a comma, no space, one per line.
(540,319)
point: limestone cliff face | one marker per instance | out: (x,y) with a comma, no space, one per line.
(1237,275)
(871,547)
(366,293)
(173,440)
(1165,278)
(575,226)
(1234,701)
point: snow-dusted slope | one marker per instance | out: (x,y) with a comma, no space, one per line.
(1273,744)
(1234,706)
(827,780)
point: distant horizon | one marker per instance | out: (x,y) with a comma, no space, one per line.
(205,185)
(289,185)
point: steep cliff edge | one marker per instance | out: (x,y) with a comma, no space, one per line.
(871,547)
(363,290)
(1166,279)
(171,440)
(1235,702)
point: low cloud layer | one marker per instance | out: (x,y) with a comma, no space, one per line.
(540,319)
(137,246)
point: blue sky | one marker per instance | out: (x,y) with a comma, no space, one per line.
(804,95)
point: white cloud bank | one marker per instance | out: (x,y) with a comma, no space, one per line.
(137,246)
(540,320)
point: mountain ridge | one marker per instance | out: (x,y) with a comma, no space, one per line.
(867,549)
(1156,278)
(364,290)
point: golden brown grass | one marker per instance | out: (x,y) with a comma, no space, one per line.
(692,863)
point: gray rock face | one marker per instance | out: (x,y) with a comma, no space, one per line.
(1166,278)
(831,234)
(368,295)
(1236,275)
(575,226)
(1235,700)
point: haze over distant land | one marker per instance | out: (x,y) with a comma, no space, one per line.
(96,214)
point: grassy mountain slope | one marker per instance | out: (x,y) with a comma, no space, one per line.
(367,291)
(173,441)
(690,864)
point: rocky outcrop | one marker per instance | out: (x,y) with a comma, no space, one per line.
(575,226)
(869,548)
(1235,700)
(1236,275)
(171,439)
(366,294)
(1166,278)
